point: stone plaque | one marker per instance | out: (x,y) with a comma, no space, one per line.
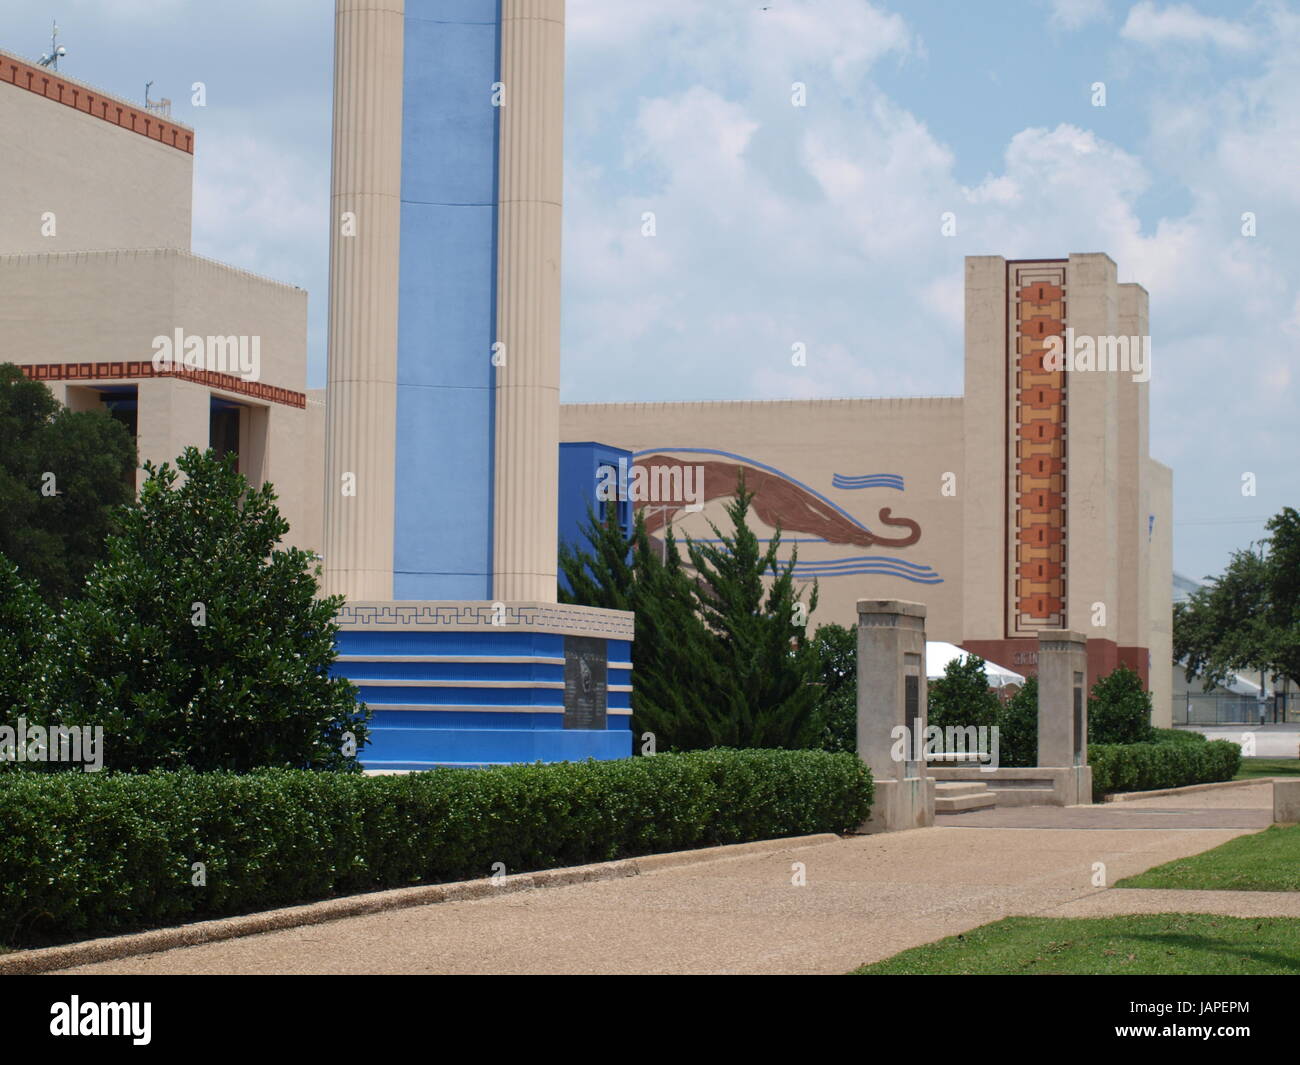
(912,718)
(584,682)
(1079,737)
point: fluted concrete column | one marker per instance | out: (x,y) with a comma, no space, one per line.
(528,300)
(365,202)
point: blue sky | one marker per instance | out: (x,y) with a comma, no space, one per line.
(821,225)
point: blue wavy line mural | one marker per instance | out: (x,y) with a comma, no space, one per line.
(853,566)
(867,480)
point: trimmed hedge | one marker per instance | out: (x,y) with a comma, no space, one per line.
(91,854)
(1147,766)
(1176,735)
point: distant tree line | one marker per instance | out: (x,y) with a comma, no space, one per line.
(1248,618)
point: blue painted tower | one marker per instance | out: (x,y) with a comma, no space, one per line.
(442,425)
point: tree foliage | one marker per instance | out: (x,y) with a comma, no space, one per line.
(25,623)
(837,702)
(62,473)
(1119,709)
(1248,618)
(630,573)
(199,642)
(759,629)
(961,697)
(722,656)
(1018,727)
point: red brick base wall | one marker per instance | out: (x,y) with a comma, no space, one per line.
(1021,655)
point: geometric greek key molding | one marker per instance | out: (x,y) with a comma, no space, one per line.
(123,370)
(485,615)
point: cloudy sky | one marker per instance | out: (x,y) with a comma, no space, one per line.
(821,224)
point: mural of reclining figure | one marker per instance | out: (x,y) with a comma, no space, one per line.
(780,502)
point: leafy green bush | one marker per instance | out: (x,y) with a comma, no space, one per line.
(62,474)
(1176,735)
(1146,766)
(24,646)
(89,854)
(1018,727)
(837,700)
(200,642)
(961,697)
(1119,709)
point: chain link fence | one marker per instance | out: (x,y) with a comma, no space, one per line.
(1213,708)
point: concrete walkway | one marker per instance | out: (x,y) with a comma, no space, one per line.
(865,899)
(1271,741)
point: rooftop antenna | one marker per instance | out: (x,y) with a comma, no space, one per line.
(158,107)
(56,50)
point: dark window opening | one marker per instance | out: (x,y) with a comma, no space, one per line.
(123,405)
(223,431)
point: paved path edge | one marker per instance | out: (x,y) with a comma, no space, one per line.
(48,959)
(1129,796)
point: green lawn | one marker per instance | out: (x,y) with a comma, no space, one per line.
(1174,944)
(1268,767)
(1266,861)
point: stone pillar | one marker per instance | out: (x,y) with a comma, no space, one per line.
(366,185)
(1063,713)
(1286,802)
(892,696)
(528,301)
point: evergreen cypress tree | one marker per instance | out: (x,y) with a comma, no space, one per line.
(760,634)
(719,659)
(602,576)
(679,682)
(673,671)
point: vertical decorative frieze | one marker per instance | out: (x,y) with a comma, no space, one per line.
(1037,449)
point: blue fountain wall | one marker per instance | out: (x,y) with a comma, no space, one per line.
(498,698)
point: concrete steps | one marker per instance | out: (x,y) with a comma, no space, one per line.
(959,796)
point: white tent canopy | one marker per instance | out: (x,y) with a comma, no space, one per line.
(938,654)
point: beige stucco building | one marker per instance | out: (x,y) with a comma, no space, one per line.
(1029,504)
(96,266)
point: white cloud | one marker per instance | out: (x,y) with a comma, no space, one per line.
(1181,24)
(259,207)
(1075,14)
